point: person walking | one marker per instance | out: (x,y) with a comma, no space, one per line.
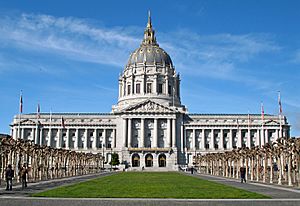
(9,175)
(23,174)
(243,174)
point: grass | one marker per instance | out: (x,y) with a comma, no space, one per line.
(150,185)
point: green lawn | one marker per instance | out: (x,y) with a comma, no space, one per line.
(149,185)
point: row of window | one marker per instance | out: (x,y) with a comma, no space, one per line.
(148,89)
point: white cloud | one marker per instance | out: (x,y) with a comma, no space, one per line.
(216,56)
(71,37)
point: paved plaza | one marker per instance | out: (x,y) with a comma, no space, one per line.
(280,195)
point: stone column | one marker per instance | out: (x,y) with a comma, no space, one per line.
(76,143)
(124,132)
(143,85)
(230,139)
(239,138)
(182,133)
(85,143)
(173,132)
(129,136)
(222,139)
(212,139)
(22,133)
(168,133)
(142,132)
(155,135)
(203,139)
(266,136)
(194,140)
(58,138)
(41,136)
(249,139)
(257,138)
(95,139)
(68,138)
(167,85)
(113,141)
(262,132)
(104,138)
(155,85)
(50,137)
(36,140)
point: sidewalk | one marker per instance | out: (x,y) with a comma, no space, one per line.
(48,184)
(273,191)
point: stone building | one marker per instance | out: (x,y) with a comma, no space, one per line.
(149,127)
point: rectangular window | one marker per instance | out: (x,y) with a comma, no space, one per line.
(138,88)
(149,87)
(160,88)
(128,89)
(169,89)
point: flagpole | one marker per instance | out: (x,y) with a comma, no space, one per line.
(20,112)
(249,132)
(49,142)
(262,125)
(280,113)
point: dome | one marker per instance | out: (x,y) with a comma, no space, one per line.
(149,52)
(150,55)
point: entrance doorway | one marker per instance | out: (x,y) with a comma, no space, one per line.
(162,160)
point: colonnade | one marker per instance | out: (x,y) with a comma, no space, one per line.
(45,162)
(224,138)
(170,127)
(275,163)
(69,138)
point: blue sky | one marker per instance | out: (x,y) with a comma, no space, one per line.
(231,55)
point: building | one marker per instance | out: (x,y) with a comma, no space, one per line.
(149,127)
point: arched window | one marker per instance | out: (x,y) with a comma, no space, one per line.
(135,160)
(149,160)
(162,160)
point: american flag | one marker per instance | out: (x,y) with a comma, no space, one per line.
(279,103)
(38,110)
(21,103)
(262,112)
(62,122)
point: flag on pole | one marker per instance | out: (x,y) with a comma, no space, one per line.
(279,103)
(62,122)
(262,112)
(38,110)
(249,120)
(21,103)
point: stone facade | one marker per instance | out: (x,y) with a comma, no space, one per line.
(149,127)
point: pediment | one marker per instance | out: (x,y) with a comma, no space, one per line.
(148,106)
(271,122)
(28,121)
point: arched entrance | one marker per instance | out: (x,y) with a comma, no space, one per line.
(149,160)
(162,160)
(135,160)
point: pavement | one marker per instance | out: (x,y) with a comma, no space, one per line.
(281,196)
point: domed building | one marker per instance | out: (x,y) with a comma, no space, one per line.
(149,127)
